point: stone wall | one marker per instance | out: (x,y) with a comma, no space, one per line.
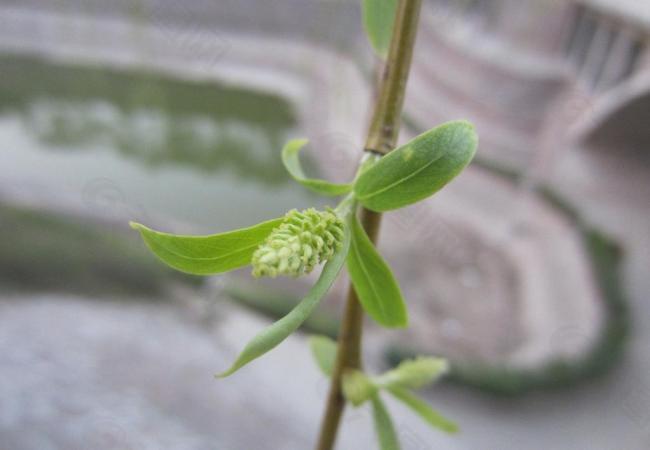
(332,22)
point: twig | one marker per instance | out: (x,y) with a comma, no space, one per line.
(382,138)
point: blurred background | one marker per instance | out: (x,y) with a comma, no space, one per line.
(529,272)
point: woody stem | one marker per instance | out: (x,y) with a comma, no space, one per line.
(382,138)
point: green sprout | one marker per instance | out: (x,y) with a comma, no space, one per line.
(294,245)
(400,382)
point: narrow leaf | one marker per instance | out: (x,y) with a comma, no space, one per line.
(378,20)
(422,409)
(205,255)
(292,164)
(374,282)
(414,373)
(324,351)
(419,168)
(384,426)
(280,330)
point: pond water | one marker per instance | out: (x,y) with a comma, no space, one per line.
(184,157)
(202,154)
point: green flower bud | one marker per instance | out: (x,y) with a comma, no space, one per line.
(414,373)
(304,240)
(358,387)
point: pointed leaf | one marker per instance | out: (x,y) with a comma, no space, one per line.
(378,21)
(292,164)
(280,330)
(384,426)
(206,255)
(324,351)
(422,409)
(374,282)
(417,169)
(414,373)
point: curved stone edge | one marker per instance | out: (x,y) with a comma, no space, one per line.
(606,259)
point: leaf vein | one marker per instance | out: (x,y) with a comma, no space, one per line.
(401,180)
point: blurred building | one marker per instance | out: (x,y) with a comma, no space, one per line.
(526,69)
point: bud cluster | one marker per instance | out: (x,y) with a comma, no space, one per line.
(304,240)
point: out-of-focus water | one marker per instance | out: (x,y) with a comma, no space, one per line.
(82,146)
(146,146)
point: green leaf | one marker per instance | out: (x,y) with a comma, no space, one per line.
(432,417)
(206,255)
(384,426)
(378,20)
(374,282)
(414,373)
(280,330)
(324,351)
(292,164)
(417,169)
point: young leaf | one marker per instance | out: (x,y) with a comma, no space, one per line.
(432,417)
(280,330)
(417,169)
(384,426)
(292,164)
(357,387)
(378,20)
(373,281)
(206,255)
(324,351)
(414,373)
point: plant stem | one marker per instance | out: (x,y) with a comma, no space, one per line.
(382,138)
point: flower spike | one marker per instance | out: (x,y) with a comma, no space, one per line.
(303,240)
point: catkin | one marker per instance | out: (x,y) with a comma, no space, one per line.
(304,240)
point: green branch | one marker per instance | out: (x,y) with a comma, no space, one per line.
(382,138)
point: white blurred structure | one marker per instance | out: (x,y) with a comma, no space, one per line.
(522,69)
